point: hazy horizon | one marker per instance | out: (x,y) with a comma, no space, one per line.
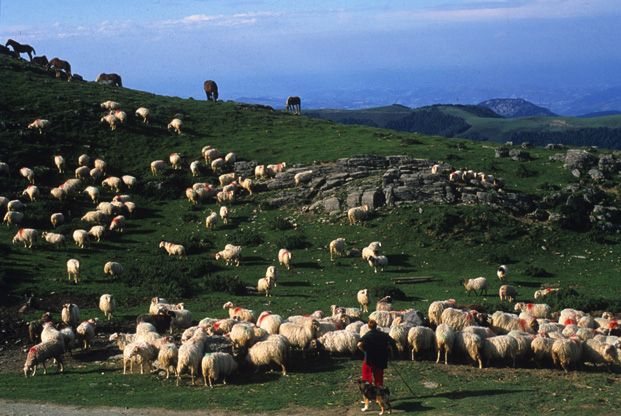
(341,52)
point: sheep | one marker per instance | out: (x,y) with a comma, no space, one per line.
(337,342)
(158,166)
(502,272)
(58,193)
(53,238)
(302,177)
(93,193)
(227,178)
(399,333)
(246,184)
(73,270)
(445,338)
(173,249)
(471,344)
(112,182)
(260,172)
(195,168)
(210,154)
(236,312)
(42,352)
(587,321)
(120,115)
(143,113)
(82,173)
(242,335)
(300,335)
(570,316)
(507,293)
(273,350)
(538,310)
(222,326)
(110,119)
(4,201)
(27,236)
(28,174)
(597,352)
(191,353)
(231,255)
(541,346)
(383,318)
(524,339)
(13,217)
(68,337)
(129,181)
(181,318)
(502,323)
(284,258)
(81,238)
(338,311)
(86,331)
(57,218)
(457,319)
(421,339)
(70,314)
(272,274)
(95,217)
(217,365)
(501,347)
(50,334)
(265,285)
(337,248)
(378,262)
(59,161)
(217,165)
(542,293)
(272,170)
(269,322)
(39,124)
(358,214)
(175,160)
(107,304)
(566,353)
(15,205)
(117,223)
(32,191)
(176,125)
(130,207)
(167,358)
(97,231)
(436,308)
(140,350)
(110,105)
(230,158)
(476,284)
(211,221)
(363,299)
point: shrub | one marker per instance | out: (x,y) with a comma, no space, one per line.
(281,223)
(389,290)
(226,284)
(246,238)
(570,298)
(536,271)
(296,241)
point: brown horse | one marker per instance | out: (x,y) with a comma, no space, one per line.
(211,90)
(19,48)
(294,104)
(60,65)
(109,79)
(41,61)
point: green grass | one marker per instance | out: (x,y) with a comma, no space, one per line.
(445,242)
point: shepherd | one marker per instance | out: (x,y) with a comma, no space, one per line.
(21,48)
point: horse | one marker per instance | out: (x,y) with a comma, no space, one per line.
(211,90)
(109,79)
(19,48)
(6,51)
(60,65)
(76,77)
(294,104)
(41,61)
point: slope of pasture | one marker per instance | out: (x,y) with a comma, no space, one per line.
(447,243)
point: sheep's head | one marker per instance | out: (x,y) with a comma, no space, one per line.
(228,305)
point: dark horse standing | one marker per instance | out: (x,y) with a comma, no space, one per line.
(60,65)
(211,90)
(294,104)
(110,79)
(19,48)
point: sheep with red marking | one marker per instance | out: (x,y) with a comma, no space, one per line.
(269,322)
(538,310)
(236,312)
(42,352)
(39,124)
(27,236)
(117,224)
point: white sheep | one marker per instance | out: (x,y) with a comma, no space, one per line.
(176,125)
(59,161)
(28,174)
(383,318)
(107,304)
(273,350)
(231,255)
(242,335)
(175,160)
(113,183)
(58,193)
(81,238)
(501,348)
(246,184)
(477,284)
(195,168)
(236,312)
(272,273)
(42,352)
(97,231)
(378,262)
(84,160)
(507,293)
(363,299)
(458,319)
(32,191)
(211,221)
(191,354)
(524,339)
(269,322)
(337,248)
(70,314)
(110,119)
(141,351)
(502,323)
(129,181)
(143,113)
(569,316)
(217,365)
(596,352)
(68,338)
(502,272)
(15,205)
(95,217)
(27,236)
(110,105)
(445,338)
(284,258)
(260,172)
(436,308)
(226,178)
(421,339)
(471,344)
(167,358)
(158,166)
(73,270)
(338,342)
(113,269)
(57,218)
(265,285)
(300,336)
(542,293)
(39,124)
(358,214)
(230,158)
(72,186)
(567,353)
(173,249)
(541,346)
(538,310)
(130,207)
(217,165)
(399,333)
(93,193)
(273,169)
(210,154)
(117,223)
(13,217)
(120,115)
(50,334)
(301,177)
(54,238)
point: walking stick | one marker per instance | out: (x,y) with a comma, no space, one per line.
(402,379)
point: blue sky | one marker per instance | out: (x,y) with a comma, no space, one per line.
(465,48)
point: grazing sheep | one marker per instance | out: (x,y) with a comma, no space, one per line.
(301,177)
(110,105)
(541,347)
(100,164)
(13,218)
(141,351)
(337,248)
(358,214)
(93,193)
(81,238)
(113,269)
(86,331)
(58,193)
(477,284)
(242,335)
(54,238)
(363,299)
(113,183)
(273,350)
(265,285)
(230,158)
(110,119)
(176,125)
(191,354)
(173,249)
(597,352)
(272,170)
(50,334)
(471,344)
(246,184)
(231,255)
(542,293)
(538,310)
(421,339)
(97,231)
(502,323)
(158,166)
(210,154)
(117,224)
(96,174)
(566,353)
(260,172)
(130,207)
(524,339)
(129,181)
(107,304)
(236,312)
(269,322)
(445,338)
(95,217)
(378,262)
(300,335)
(383,318)
(143,113)
(15,205)
(211,221)
(502,272)
(28,174)
(32,191)
(227,178)
(507,293)
(501,348)
(217,165)
(167,358)
(195,168)
(27,236)
(458,319)
(59,161)
(42,352)
(73,270)
(39,124)
(175,160)
(436,308)
(57,218)
(399,333)
(284,258)
(120,115)
(217,365)
(337,342)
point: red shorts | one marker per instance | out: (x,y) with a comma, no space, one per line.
(371,373)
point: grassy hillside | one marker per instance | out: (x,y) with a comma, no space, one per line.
(444,242)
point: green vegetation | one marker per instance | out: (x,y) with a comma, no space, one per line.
(445,242)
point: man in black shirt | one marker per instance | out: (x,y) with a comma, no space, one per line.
(375,345)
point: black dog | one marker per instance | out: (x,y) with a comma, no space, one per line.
(370,392)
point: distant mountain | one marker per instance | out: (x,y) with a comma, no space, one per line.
(515,107)
(608,99)
(601,114)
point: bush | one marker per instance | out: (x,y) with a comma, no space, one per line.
(570,298)
(246,238)
(296,241)
(231,285)
(536,271)
(389,290)
(281,223)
